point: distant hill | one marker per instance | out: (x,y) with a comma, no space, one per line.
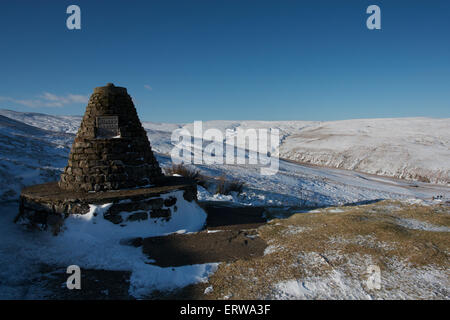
(409,148)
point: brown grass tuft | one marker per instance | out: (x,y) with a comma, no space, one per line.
(226,187)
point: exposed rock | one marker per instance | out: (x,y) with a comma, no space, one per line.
(170,201)
(189,195)
(160,213)
(114,218)
(137,216)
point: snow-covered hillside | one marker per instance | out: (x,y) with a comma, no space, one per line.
(67,124)
(34,148)
(408,148)
(29,155)
(416,148)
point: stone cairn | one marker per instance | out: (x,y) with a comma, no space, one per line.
(111,154)
(111,150)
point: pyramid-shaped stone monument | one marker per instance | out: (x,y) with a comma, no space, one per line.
(111,150)
(111,163)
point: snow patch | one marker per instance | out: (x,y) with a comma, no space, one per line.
(399,280)
(272,249)
(92,242)
(421,225)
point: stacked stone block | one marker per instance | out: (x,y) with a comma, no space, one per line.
(98,163)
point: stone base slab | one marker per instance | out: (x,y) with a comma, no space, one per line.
(47,205)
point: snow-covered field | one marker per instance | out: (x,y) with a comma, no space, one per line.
(415,148)
(384,250)
(433,282)
(34,149)
(408,148)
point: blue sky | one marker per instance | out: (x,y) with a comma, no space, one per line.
(237,60)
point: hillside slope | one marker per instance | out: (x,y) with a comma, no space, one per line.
(408,148)
(29,155)
(416,148)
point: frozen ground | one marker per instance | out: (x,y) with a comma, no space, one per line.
(92,242)
(384,250)
(403,281)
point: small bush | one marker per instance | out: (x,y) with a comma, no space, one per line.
(183,171)
(223,186)
(226,187)
(187,172)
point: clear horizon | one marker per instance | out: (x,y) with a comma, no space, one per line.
(237,120)
(210,60)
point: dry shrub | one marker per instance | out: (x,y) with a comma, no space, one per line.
(183,171)
(188,172)
(226,187)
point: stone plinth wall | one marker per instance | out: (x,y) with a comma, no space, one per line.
(98,163)
(46,206)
